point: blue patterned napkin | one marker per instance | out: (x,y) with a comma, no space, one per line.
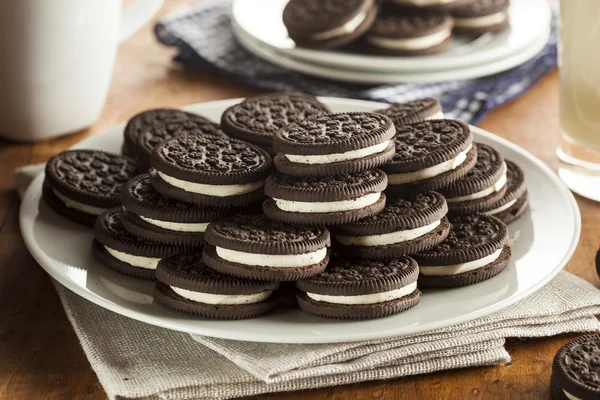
(206,42)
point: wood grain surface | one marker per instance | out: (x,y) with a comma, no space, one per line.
(40,356)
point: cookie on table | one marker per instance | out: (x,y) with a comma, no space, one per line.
(576,370)
(483,186)
(82,184)
(254,247)
(476,249)
(258,118)
(119,250)
(413,111)
(328,24)
(426,5)
(407,225)
(361,289)
(477,17)
(186,284)
(514,202)
(334,144)
(430,155)
(210,172)
(330,200)
(154,217)
(144,130)
(410,33)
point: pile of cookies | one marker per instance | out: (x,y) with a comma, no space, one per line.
(353,215)
(395,27)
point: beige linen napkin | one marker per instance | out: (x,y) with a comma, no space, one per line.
(134,360)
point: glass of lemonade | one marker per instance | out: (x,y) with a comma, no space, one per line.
(579,70)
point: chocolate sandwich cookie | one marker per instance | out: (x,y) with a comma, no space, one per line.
(256,119)
(328,24)
(186,284)
(334,144)
(476,249)
(330,200)
(210,172)
(254,247)
(410,33)
(361,289)
(144,130)
(413,111)
(576,370)
(427,5)
(514,202)
(481,187)
(477,17)
(430,155)
(407,225)
(117,249)
(157,218)
(82,184)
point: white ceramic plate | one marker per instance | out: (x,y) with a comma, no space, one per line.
(377,77)
(529,19)
(540,250)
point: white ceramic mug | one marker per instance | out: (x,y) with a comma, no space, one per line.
(56,61)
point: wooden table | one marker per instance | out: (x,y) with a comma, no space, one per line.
(40,356)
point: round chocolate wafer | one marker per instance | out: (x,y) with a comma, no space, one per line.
(361,289)
(576,369)
(507,209)
(59,206)
(327,24)
(413,111)
(118,249)
(515,211)
(258,118)
(481,16)
(406,225)
(484,185)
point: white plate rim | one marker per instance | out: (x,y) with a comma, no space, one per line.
(47,264)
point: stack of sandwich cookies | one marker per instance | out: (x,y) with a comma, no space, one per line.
(257,119)
(117,249)
(328,24)
(210,172)
(483,186)
(82,184)
(334,144)
(186,284)
(413,111)
(481,16)
(361,289)
(514,202)
(476,249)
(154,217)
(576,370)
(430,155)
(407,225)
(410,33)
(254,247)
(329,200)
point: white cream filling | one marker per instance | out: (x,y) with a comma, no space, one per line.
(345,29)
(456,269)
(330,206)
(417,43)
(77,205)
(136,261)
(420,3)
(177,226)
(570,396)
(273,260)
(387,238)
(501,208)
(437,115)
(426,173)
(479,22)
(222,299)
(499,184)
(331,158)
(366,298)
(212,190)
